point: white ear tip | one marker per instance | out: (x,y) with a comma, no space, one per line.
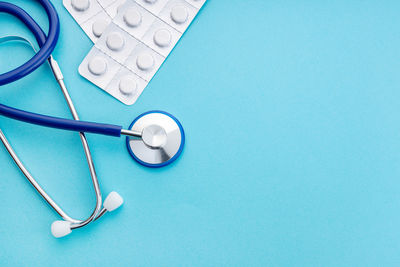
(60,228)
(113,201)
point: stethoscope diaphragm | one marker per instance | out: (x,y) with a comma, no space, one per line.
(161,142)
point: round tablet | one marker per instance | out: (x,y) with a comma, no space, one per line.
(97,66)
(162,37)
(179,14)
(99,26)
(80,5)
(127,85)
(132,17)
(145,61)
(115,41)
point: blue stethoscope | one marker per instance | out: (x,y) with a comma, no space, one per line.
(154,139)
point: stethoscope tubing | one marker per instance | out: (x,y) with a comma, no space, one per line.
(60,123)
(47,45)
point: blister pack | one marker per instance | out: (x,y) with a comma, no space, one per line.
(130,49)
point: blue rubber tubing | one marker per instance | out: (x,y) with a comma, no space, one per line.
(47,45)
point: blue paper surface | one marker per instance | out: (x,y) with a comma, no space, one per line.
(291,113)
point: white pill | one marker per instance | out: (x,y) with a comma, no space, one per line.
(162,37)
(97,66)
(145,61)
(80,5)
(127,85)
(132,17)
(151,1)
(179,14)
(99,26)
(115,41)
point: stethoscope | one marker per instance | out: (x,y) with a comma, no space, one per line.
(154,139)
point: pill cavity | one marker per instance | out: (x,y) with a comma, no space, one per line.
(115,41)
(127,85)
(99,26)
(97,66)
(145,61)
(80,5)
(179,14)
(132,17)
(162,37)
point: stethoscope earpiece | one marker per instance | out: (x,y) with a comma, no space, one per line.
(63,228)
(60,228)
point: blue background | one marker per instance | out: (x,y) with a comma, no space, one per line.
(291,110)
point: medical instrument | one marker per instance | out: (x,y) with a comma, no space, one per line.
(129,50)
(154,139)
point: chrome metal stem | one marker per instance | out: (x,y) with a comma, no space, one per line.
(32,180)
(60,80)
(131,133)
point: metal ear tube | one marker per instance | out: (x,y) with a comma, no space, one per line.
(62,228)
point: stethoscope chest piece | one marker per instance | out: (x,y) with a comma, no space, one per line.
(162,139)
